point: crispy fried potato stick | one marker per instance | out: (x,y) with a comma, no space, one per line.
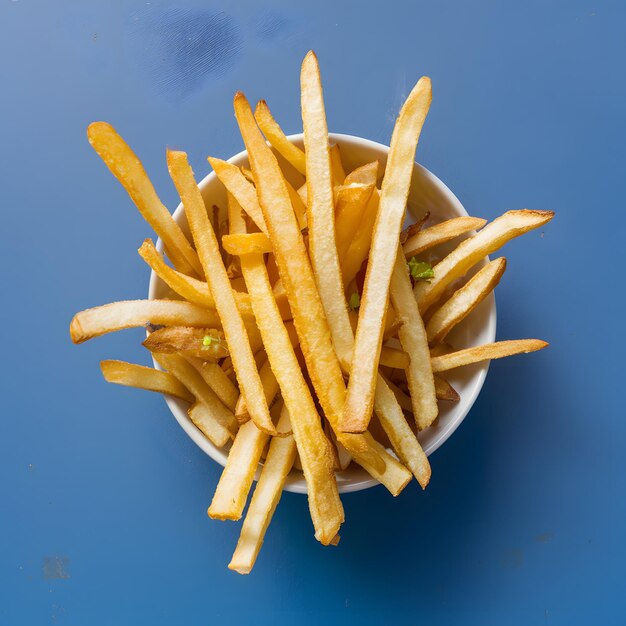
(270,387)
(488,351)
(445,391)
(360,246)
(299,207)
(413,339)
(364,174)
(321,215)
(489,239)
(127,168)
(234,484)
(400,435)
(243,190)
(133,375)
(207,343)
(351,202)
(278,463)
(395,190)
(313,447)
(219,424)
(309,318)
(336,166)
(232,322)
(190,288)
(277,138)
(439,233)
(393,357)
(215,378)
(464,301)
(251,243)
(132,313)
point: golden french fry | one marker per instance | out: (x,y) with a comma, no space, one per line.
(215,272)
(443,347)
(299,207)
(393,357)
(310,321)
(313,447)
(414,228)
(364,175)
(395,190)
(127,168)
(232,489)
(133,375)
(464,301)
(321,216)
(336,166)
(489,239)
(206,343)
(215,377)
(243,190)
(251,243)
(132,313)
(190,288)
(275,135)
(413,339)
(267,493)
(402,398)
(360,246)
(219,424)
(488,351)
(445,391)
(400,435)
(439,233)
(350,203)
(270,387)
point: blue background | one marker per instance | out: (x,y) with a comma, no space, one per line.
(104,498)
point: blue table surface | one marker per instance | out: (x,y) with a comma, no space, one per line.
(103,495)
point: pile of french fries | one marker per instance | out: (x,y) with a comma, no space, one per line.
(303,326)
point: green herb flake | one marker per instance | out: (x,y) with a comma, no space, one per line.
(355,301)
(207,340)
(420,270)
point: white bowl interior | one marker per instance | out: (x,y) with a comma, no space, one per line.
(427,193)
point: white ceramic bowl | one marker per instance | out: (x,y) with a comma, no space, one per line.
(427,193)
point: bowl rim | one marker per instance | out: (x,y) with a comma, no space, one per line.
(468,400)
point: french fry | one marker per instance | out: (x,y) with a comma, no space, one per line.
(445,391)
(133,313)
(232,322)
(243,190)
(439,233)
(277,138)
(313,447)
(360,246)
(413,339)
(206,343)
(400,435)
(414,228)
(363,175)
(299,207)
(219,424)
(488,351)
(278,463)
(321,216)
(464,301)
(310,321)
(402,398)
(393,357)
(133,375)
(489,239)
(192,289)
(251,243)
(395,190)
(215,378)
(443,347)
(232,489)
(270,387)
(336,166)
(127,168)
(350,203)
